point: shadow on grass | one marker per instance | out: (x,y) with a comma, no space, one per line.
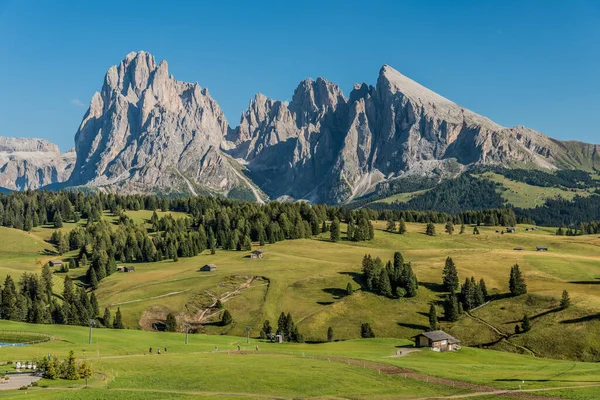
(356,276)
(542,314)
(543,380)
(594,282)
(413,326)
(337,293)
(325,303)
(434,287)
(587,318)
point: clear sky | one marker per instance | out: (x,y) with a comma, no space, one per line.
(533,63)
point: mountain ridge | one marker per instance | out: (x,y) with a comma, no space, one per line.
(145,131)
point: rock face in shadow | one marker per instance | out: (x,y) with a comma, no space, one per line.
(32,163)
(145,132)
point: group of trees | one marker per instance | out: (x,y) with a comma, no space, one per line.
(584,228)
(394,279)
(32,300)
(391,226)
(285,327)
(68,368)
(472,293)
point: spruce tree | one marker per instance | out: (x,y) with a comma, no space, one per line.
(526,324)
(384,285)
(516,282)
(430,229)
(70,370)
(349,289)
(226,319)
(218,304)
(402,227)
(433,319)
(9,304)
(95,308)
(449,227)
(47,280)
(366,332)
(93,279)
(451,312)
(118,322)
(565,301)
(483,289)
(330,336)
(350,229)
(106,319)
(171,323)
(450,276)
(57,219)
(475,230)
(462,229)
(334,230)
(391,226)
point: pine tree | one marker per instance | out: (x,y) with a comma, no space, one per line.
(451,312)
(226,319)
(409,281)
(526,324)
(330,336)
(565,301)
(57,219)
(266,329)
(9,307)
(468,295)
(433,319)
(334,230)
(349,289)
(350,229)
(449,227)
(106,319)
(47,281)
(70,370)
(52,369)
(118,322)
(281,325)
(95,308)
(324,227)
(475,230)
(366,332)
(517,283)
(391,226)
(171,323)
(384,285)
(402,227)
(93,278)
(430,229)
(85,371)
(483,289)
(462,229)
(450,276)
(218,304)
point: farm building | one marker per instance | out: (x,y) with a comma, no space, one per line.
(256,254)
(129,269)
(437,341)
(209,267)
(120,268)
(541,248)
(55,263)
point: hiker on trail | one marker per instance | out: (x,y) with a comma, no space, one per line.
(150,350)
(165,349)
(216,348)
(238,347)
(256,347)
(158,351)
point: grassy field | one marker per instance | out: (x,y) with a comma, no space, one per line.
(307,278)
(347,369)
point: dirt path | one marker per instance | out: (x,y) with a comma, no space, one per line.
(503,336)
(150,298)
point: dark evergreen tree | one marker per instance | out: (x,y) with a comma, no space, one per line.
(516,282)
(449,227)
(335,230)
(106,319)
(226,319)
(171,323)
(451,311)
(526,324)
(95,308)
(366,332)
(391,226)
(330,336)
(450,276)
(430,229)
(565,300)
(118,322)
(349,289)
(433,319)
(402,227)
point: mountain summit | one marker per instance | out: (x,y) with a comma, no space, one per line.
(145,132)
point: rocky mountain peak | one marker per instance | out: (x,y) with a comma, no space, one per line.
(312,99)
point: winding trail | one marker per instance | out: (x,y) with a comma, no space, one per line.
(503,336)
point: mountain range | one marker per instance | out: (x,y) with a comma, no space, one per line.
(146,132)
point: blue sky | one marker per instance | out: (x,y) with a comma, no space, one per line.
(533,63)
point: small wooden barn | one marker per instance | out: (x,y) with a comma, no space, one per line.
(120,268)
(437,341)
(209,267)
(129,269)
(56,263)
(257,254)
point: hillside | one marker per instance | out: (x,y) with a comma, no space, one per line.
(308,277)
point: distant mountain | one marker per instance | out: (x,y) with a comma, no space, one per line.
(145,131)
(32,163)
